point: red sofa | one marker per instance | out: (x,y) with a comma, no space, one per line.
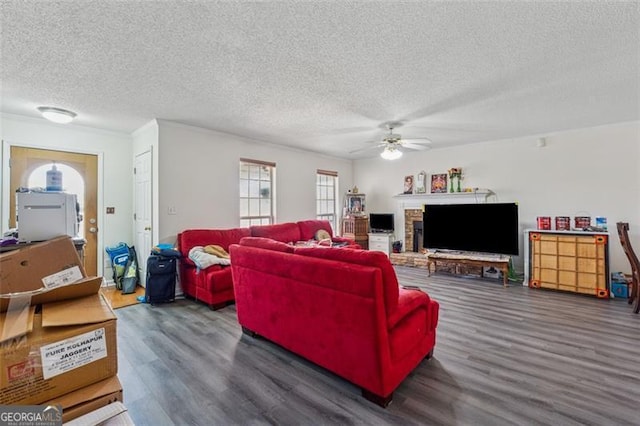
(337,307)
(299,231)
(213,285)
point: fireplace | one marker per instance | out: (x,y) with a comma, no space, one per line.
(417,236)
(409,209)
(413,230)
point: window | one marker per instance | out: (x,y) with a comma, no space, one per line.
(326,190)
(256,192)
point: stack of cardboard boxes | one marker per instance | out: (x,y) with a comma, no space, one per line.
(57,332)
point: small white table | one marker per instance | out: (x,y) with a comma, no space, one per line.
(381,242)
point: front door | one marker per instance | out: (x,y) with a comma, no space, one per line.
(25,160)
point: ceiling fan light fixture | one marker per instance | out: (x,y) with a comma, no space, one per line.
(57,115)
(391,153)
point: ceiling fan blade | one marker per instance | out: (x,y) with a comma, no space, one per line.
(423,141)
(415,146)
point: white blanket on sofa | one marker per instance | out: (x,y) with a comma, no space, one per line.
(204,260)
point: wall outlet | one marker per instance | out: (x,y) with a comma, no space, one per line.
(111,210)
(172,210)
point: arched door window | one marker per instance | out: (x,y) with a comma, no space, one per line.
(72,183)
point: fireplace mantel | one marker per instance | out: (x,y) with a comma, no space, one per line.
(417,200)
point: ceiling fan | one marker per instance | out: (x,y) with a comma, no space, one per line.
(392,142)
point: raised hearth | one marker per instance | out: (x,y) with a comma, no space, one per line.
(417,260)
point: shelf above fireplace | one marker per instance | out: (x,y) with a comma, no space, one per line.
(414,200)
(445,195)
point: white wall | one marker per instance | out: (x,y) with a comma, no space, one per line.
(114,169)
(591,172)
(199,172)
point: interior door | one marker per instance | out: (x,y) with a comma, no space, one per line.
(25,160)
(142,214)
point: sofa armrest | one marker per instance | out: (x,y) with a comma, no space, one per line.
(188,262)
(408,301)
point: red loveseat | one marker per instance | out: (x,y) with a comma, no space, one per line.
(214,285)
(337,307)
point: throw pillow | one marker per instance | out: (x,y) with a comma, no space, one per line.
(322,234)
(216,251)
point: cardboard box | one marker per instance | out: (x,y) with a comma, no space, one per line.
(84,287)
(110,415)
(69,345)
(88,399)
(41,266)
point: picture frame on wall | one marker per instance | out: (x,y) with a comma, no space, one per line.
(439,183)
(408,185)
(421,183)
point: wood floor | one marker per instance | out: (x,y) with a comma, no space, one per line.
(118,300)
(504,356)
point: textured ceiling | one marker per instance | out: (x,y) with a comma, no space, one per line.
(326,76)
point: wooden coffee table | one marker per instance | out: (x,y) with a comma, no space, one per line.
(498,261)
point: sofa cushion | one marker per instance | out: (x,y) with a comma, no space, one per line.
(308,228)
(266,243)
(214,279)
(366,258)
(285,232)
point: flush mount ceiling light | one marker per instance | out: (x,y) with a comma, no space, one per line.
(57,115)
(390,152)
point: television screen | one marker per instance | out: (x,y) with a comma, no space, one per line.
(381,222)
(487,228)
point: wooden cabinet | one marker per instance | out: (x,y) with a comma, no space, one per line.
(574,261)
(356,228)
(381,242)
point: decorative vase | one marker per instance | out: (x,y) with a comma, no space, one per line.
(451,187)
(459,184)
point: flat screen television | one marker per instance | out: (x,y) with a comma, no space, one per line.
(486,228)
(381,222)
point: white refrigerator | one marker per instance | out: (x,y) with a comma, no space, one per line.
(45,215)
